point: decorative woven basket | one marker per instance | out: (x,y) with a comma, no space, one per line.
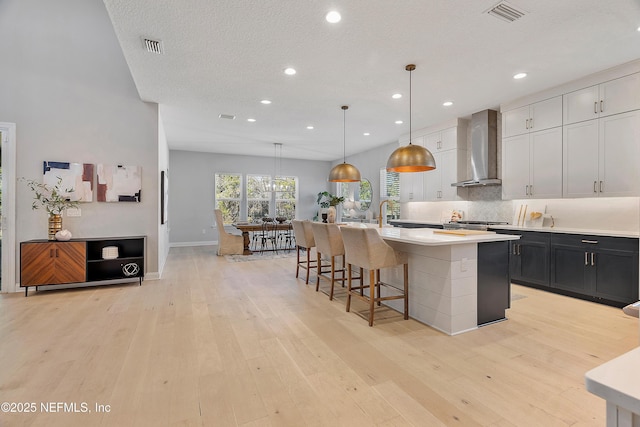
(110,252)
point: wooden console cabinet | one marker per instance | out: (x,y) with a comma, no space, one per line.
(45,262)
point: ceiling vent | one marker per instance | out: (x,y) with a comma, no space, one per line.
(153,46)
(506,12)
(227,116)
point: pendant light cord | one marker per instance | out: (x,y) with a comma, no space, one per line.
(344,133)
(410,70)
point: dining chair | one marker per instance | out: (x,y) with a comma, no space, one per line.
(228,244)
(365,248)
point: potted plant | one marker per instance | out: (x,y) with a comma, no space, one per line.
(329,201)
(53,199)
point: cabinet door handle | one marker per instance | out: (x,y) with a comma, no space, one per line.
(595,107)
(519,248)
(601,186)
(526,123)
(526,190)
(586,258)
(531,123)
(594,186)
(593,242)
(514,248)
(601,105)
(56,252)
(531,190)
(50,253)
(593,258)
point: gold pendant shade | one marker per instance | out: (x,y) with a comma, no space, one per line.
(344,172)
(411,158)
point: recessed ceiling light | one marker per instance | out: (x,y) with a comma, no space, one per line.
(251,120)
(396,96)
(265,101)
(399,122)
(333,17)
(447,103)
(289,71)
(310,127)
(366,134)
(519,76)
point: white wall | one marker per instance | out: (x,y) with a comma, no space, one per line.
(191,189)
(67,87)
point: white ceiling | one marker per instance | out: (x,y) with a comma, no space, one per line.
(224,56)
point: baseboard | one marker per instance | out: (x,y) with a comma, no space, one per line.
(186,244)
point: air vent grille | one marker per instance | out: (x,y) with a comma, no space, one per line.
(506,12)
(227,116)
(153,46)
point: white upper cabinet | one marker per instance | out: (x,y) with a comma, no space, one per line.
(447,139)
(532,165)
(532,118)
(600,157)
(411,183)
(612,97)
(448,147)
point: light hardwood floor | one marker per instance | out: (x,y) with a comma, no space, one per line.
(216,343)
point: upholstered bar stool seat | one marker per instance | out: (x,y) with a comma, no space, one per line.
(365,248)
(329,244)
(304,241)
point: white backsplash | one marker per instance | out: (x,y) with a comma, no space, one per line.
(604,213)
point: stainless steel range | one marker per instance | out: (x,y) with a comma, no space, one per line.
(471,225)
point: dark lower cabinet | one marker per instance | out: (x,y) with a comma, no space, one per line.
(597,268)
(600,267)
(529,258)
(494,289)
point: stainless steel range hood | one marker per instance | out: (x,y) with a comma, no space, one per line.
(484,147)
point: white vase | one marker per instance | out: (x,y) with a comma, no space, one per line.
(331,214)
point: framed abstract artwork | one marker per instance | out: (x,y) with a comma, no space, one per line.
(164,197)
(118,183)
(76,179)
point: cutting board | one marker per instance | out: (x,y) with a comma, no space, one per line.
(463,232)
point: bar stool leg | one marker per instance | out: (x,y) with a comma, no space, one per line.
(297,260)
(319,260)
(406,292)
(378,285)
(372,295)
(349,286)
(333,276)
(308,264)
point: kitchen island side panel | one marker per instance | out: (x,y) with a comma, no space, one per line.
(442,285)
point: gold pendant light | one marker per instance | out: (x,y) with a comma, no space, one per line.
(410,158)
(344,172)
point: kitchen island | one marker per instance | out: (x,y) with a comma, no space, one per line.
(456,282)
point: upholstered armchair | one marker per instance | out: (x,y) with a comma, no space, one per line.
(228,244)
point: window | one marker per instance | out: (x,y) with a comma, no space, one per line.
(258,197)
(286,196)
(228,188)
(390,189)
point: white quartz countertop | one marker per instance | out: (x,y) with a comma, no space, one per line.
(595,232)
(616,381)
(430,237)
(612,233)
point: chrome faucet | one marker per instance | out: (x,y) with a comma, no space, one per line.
(380,214)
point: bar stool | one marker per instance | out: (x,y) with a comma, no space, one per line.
(304,241)
(329,243)
(365,248)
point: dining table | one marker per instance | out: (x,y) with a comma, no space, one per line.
(246,228)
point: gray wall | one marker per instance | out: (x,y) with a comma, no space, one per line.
(67,87)
(191,189)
